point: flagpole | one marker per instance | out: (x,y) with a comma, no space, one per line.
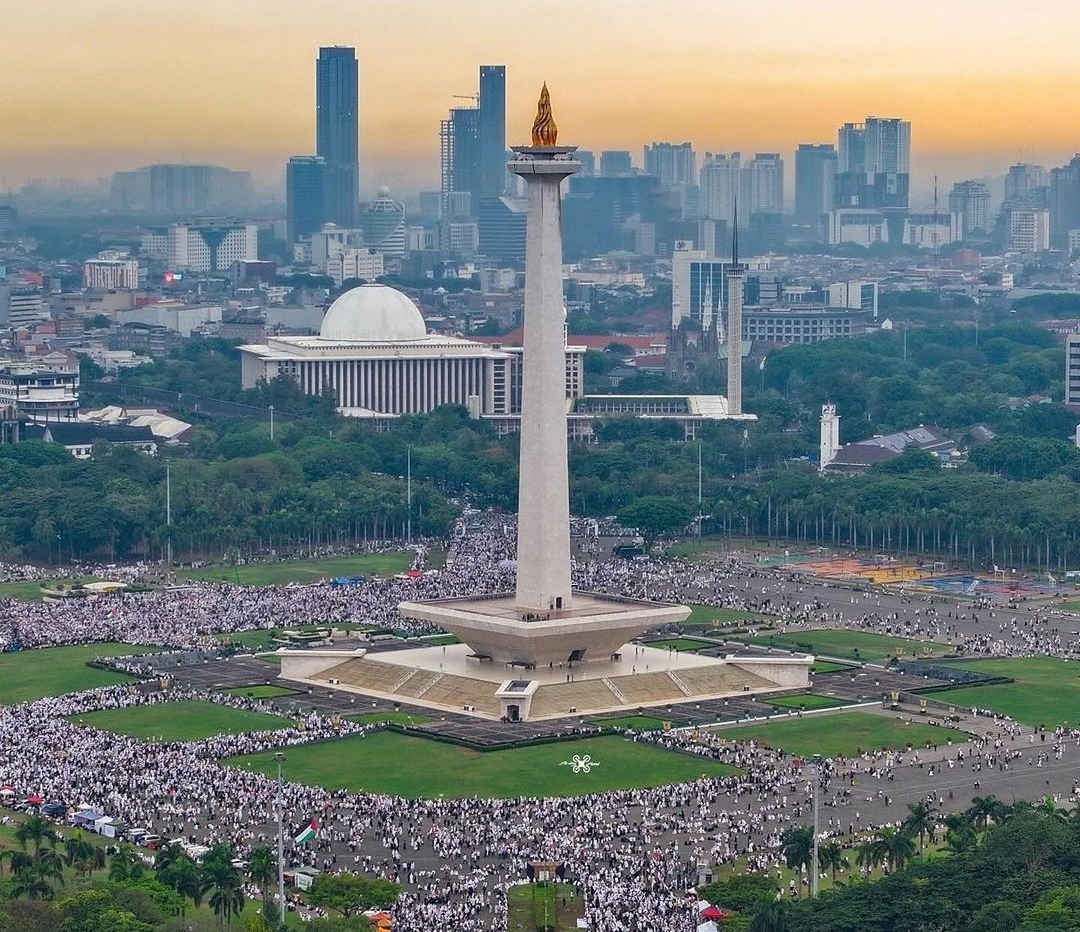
(279,757)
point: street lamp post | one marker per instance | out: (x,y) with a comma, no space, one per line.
(815,877)
(271,422)
(279,757)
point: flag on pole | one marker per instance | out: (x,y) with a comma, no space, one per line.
(310,832)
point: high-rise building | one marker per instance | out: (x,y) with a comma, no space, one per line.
(337,132)
(305,196)
(501,228)
(383,224)
(761,188)
(1072,369)
(111,271)
(1026,184)
(874,164)
(212,246)
(971,200)
(492,130)
(1029,229)
(720,185)
(615,162)
(815,176)
(459,136)
(588,161)
(673,163)
(887,145)
(182,188)
(1064,200)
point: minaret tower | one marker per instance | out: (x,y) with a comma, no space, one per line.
(543,557)
(734,321)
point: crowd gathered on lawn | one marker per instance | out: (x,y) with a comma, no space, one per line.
(633,854)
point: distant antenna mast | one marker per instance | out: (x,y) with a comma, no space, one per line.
(936,258)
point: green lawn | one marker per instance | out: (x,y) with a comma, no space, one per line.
(29,590)
(856,645)
(190,720)
(710,616)
(272,574)
(534,907)
(388,715)
(825,666)
(807,701)
(842,735)
(263,691)
(386,762)
(640,722)
(33,674)
(680,644)
(1046,691)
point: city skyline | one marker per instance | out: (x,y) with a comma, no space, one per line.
(621,80)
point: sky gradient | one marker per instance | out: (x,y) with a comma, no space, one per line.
(99,85)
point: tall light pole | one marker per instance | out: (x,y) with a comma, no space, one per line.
(815,877)
(279,757)
(271,422)
(408,489)
(168,517)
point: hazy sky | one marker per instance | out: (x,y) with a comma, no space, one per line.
(90,86)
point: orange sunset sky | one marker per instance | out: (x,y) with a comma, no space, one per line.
(91,86)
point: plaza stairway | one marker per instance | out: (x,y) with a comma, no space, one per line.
(722,679)
(560,698)
(643,688)
(457,692)
(365,674)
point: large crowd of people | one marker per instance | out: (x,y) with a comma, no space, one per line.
(634,854)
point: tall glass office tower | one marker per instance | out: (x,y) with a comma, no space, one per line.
(493,173)
(337,131)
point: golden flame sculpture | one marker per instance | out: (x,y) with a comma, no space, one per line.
(544,131)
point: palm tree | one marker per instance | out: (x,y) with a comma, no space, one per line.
(798,844)
(867,855)
(225,884)
(36,830)
(831,858)
(82,855)
(959,832)
(922,821)
(895,847)
(985,809)
(774,916)
(126,864)
(184,876)
(262,867)
(36,874)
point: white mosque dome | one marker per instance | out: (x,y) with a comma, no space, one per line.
(373,314)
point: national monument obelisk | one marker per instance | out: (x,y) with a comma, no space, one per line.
(543,555)
(544,621)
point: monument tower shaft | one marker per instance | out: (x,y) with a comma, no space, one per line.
(543,558)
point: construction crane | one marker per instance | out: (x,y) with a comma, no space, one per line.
(475,98)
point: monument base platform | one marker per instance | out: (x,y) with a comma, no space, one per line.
(453,679)
(592,629)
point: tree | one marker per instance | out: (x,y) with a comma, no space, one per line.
(985,809)
(38,831)
(262,868)
(798,847)
(83,856)
(351,894)
(655,516)
(895,847)
(126,864)
(921,821)
(774,916)
(831,858)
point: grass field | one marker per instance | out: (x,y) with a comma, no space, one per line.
(1046,691)
(304,571)
(855,645)
(551,905)
(388,715)
(190,720)
(680,644)
(807,701)
(824,666)
(33,674)
(710,616)
(29,590)
(263,691)
(640,722)
(400,765)
(841,735)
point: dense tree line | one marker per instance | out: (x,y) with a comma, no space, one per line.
(74,885)
(1007,868)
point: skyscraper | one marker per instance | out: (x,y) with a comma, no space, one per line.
(460,161)
(874,164)
(762,185)
(1064,200)
(615,162)
(887,145)
(492,130)
(672,163)
(337,131)
(305,196)
(971,199)
(815,177)
(720,184)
